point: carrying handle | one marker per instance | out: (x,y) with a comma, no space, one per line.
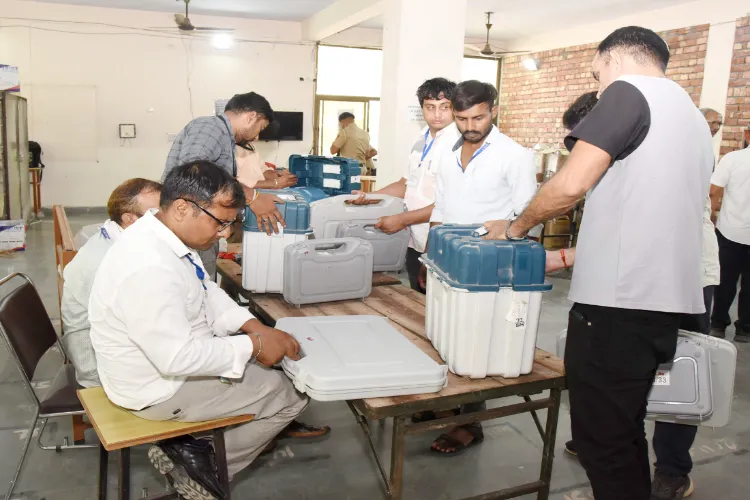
(324,247)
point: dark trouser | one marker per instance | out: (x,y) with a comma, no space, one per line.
(735,263)
(672,442)
(412,268)
(611,358)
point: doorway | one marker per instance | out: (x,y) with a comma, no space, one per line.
(366,111)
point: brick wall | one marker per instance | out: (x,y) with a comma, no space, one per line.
(737,115)
(532,102)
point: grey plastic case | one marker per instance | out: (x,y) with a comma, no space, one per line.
(683,387)
(327,214)
(327,270)
(390,249)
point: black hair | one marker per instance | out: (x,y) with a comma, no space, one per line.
(579,109)
(200,182)
(343,116)
(641,43)
(472,92)
(245,103)
(436,89)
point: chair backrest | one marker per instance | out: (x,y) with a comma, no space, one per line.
(25,324)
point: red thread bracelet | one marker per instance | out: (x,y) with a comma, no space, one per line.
(562,254)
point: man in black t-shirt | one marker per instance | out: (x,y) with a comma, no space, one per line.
(644,155)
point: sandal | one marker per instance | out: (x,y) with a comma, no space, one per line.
(447,441)
(298,430)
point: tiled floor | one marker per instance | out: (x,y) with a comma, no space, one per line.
(340,467)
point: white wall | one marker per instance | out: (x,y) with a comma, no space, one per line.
(81,86)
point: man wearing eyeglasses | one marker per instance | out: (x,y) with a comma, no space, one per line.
(164,334)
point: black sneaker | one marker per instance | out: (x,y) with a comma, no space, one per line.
(668,487)
(190,464)
(718,332)
(570,447)
(741,334)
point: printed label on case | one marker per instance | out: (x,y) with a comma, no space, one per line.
(357,179)
(332,183)
(331,169)
(662,377)
(517,314)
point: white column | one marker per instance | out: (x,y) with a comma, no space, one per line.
(716,68)
(422,39)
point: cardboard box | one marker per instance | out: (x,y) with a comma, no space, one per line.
(12,235)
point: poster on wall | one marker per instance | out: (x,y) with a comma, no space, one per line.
(219,105)
(414,114)
(9,79)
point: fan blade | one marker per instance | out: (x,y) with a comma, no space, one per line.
(218,30)
(475,48)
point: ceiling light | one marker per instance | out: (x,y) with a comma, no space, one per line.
(531,64)
(222,41)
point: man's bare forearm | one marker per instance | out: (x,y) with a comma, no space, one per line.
(397,189)
(546,205)
(420,216)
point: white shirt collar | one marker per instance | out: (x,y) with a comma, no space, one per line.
(111,230)
(164,233)
(493,136)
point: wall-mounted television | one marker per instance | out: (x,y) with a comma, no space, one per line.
(287,126)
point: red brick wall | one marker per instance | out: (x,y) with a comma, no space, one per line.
(532,102)
(737,115)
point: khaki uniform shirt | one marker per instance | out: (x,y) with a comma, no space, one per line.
(353,142)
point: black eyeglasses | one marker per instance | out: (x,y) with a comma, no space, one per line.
(223,224)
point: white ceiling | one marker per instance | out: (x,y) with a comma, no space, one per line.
(518,18)
(281,10)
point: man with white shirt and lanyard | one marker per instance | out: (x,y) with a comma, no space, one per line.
(164,334)
(213,139)
(417,185)
(485,175)
(127,203)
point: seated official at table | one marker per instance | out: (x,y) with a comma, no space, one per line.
(163,333)
(127,203)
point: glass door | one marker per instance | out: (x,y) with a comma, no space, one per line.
(3,161)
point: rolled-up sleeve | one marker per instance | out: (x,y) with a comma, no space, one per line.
(157,323)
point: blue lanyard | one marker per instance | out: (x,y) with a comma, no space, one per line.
(426,149)
(231,136)
(104,233)
(476,153)
(198,271)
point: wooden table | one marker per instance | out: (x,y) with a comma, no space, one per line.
(405,310)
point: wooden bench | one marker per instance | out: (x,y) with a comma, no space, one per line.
(118,429)
(405,310)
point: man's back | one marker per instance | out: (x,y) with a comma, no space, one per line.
(733,174)
(78,281)
(205,138)
(357,143)
(640,241)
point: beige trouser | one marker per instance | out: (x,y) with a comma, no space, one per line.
(266,393)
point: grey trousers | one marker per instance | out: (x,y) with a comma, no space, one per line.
(266,393)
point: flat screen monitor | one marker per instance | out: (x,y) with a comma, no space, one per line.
(287,126)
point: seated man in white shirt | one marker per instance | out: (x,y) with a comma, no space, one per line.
(486,175)
(163,333)
(417,186)
(127,203)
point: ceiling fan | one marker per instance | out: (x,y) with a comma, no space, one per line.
(488,50)
(184,24)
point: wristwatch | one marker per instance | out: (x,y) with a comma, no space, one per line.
(512,238)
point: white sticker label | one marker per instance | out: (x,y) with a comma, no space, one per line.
(332,183)
(517,314)
(287,197)
(331,169)
(662,377)
(356,179)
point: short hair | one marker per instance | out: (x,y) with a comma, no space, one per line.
(472,92)
(436,89)
(200,182)
(706,111)
(579,109)
(246,103)
(343,116)
(642,44)
(124,199)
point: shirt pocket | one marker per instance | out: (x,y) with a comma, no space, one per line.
(427,185)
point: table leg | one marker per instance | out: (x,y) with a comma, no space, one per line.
(397,458)
(221,460)
(124,475)
(536,418)
(548,451)
(103,462)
